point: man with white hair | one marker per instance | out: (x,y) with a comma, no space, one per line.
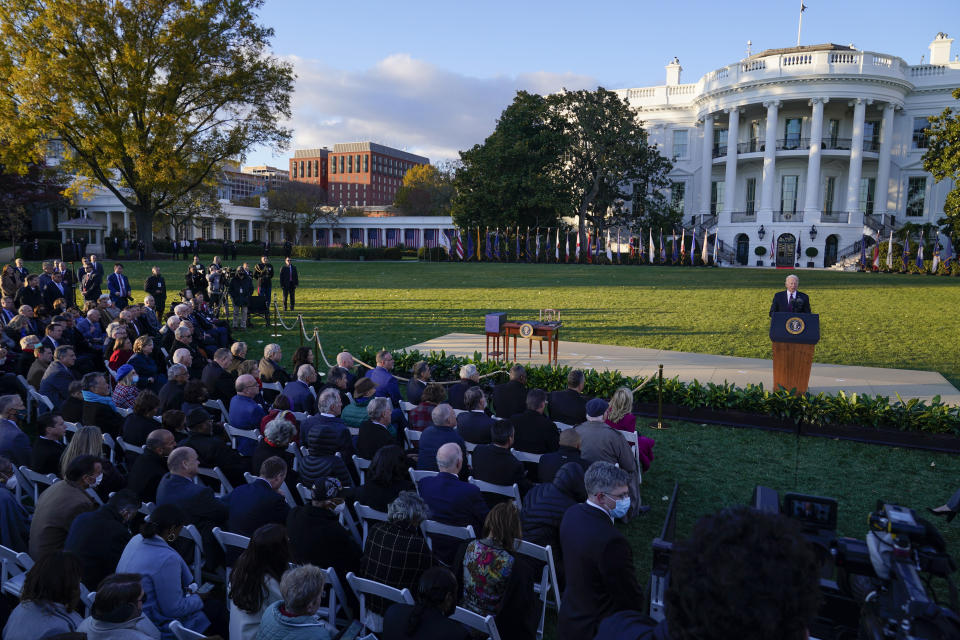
(218,382)
(298,391)
(790,300)
(469,377)
(270,367)
(184,341)
(171,394)
(167,335)
(376,431)
(245,412)
(440,433)
(345,361)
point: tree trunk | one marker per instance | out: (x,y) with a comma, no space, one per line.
(145,228)
(582,214)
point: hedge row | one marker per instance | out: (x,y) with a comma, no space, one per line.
(822,409)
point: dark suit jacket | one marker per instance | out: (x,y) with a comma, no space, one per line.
(102,416)
(200,507)
(219,383)
(601,578)
(509,398)
(55,384)
(214,452)
(534,432)
(97,538)
(254,505)
(145,475)
(171,396)
(136,428)
(289,278)
(550,463)
(568,406)
(433,625)
(452,501)
(474,426)
(801,303)
(455,393)
(45,457)
(497,465)
(415,390)
(51,293)
(372,438)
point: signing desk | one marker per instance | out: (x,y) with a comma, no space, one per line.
(535,330)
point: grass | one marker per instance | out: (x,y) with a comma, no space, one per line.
(874,320)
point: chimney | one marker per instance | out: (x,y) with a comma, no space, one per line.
(940,49)
(674,69)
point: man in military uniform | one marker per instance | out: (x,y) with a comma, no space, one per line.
(263,274)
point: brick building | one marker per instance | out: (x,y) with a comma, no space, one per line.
(310,165)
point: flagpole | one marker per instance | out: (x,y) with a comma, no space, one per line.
(800,23)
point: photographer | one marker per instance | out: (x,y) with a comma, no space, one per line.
(241,288)
(742,574)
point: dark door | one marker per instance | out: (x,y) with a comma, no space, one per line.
(743,249)
(786,250)
(830,251)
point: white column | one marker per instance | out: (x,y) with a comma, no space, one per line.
(249,230)
(856,155)
(314,236)
(881,197)
(233,230)
(126,220)
(707,164)
(109,230)
(769,162)
(730,177)
(812,203)
(173,232)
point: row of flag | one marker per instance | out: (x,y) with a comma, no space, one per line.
(486,245)
(941,253)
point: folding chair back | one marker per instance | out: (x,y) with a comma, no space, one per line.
(13,570)
(511,491)
(412,436)
(486,625)
(218,475)
(190,532)
(563,426)
(272,386)
(306,493)
(363,587)
(234,434)
(633,439)
(417,476)
(284,489)
(35,481)
(226,539)
(180,632)
(111,446)
(336,600)
(362,464)
(366,515)
(218,406)
(432,528)
(548,577)
(524,456)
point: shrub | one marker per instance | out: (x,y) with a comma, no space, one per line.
(811,252)
(433,254)
(760,250)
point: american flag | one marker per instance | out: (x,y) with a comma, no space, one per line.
(459,246)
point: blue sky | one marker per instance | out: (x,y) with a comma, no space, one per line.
(432,77)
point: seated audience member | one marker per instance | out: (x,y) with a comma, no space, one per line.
(322,459)
(47,448)
(469,377)
(270,368)
(569,451)
(598,442)
(42,357)
(294,617)
(354,413)
(376,432)
(387,386)
(175,421)
(533,431)
(217,379)
(259,502)
(544,506)
(146,364)
(238,353)
(213,450)
(346,362)
(121,352)
(195,394)
(255,580)
(620,416)
(302,356)
(436,597)
(329,416)
(277,436)
(419,382)
(419,417)
(14,518)
(396,552)
(165,576)
(72,407)
(316,536)
(570,405)
(495,463)
(88,441)
(601,578)
(387,476)
(125,391)
(58,377)
(171,394)
(711,581)
(494,581)
(245,412)
(474,424)
(451,500)
(98,537)
(168,333)
(510,398)
(149,467)
(60,504)
(298,391)
(195,502)
(98,407)
(14,443)
(441,433)
(193,360)
(117,611)
(49,600)
(281,404)
(138,425)
(337,378)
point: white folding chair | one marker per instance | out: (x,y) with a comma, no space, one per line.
(146,508)
(417,476)
(366,514)
(226,539)
(548,577)
(35,481)
(363,588)
(336,600)
(306,494)
(511,491)
(218,406)
(487,625)
(126,447)
(272,386)
(124,411)
(412,436)
(43,402)
(524,456)
(300,415)
(111,445)
(563,426)
(362,464)
(297,457)
(218,475)
(633,438)
(13,570)
(284,489)
(407,406)
(459,411)
(180,632)
(234,433)
(94,495)
(433,528)
(190,532)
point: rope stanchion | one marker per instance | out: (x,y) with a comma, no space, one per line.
(660,424)
(650,379)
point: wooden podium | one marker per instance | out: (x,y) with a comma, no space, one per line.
(793,337)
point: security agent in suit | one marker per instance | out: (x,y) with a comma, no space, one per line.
(510,397)
(598,563)
(119,287)
(289,281)
(474,424)
(156,286)
(791,300)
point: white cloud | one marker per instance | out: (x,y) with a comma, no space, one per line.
(405,103)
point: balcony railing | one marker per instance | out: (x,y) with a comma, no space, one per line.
(872,146)
(793,144)
(788,216)
(719,150)
(743,216)
(836,144)
(754,146)
(835,217)
(797,144)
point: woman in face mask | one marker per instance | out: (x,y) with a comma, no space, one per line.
(89,441)
(126,391)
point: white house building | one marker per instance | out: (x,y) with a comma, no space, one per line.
(821,144)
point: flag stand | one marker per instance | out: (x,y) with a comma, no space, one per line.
(660,425)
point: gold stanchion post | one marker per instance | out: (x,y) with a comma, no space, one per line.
(660,423)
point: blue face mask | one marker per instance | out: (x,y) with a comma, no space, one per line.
(136,379)
(623,505)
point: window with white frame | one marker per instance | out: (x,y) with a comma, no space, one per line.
(920,132)
(916,195)
(680,144)
(678,193)
(868,187)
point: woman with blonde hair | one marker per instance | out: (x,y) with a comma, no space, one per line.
(146,364)
(620,417)
(89,441)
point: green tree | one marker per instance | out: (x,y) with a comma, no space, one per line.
(149,96)
(296,205)
(512,178)
(189,208)
(21,195)
(427,191)
(942,159)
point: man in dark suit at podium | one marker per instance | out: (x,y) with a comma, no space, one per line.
(790,300)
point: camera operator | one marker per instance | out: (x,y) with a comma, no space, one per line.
(215,282)
(743,574)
